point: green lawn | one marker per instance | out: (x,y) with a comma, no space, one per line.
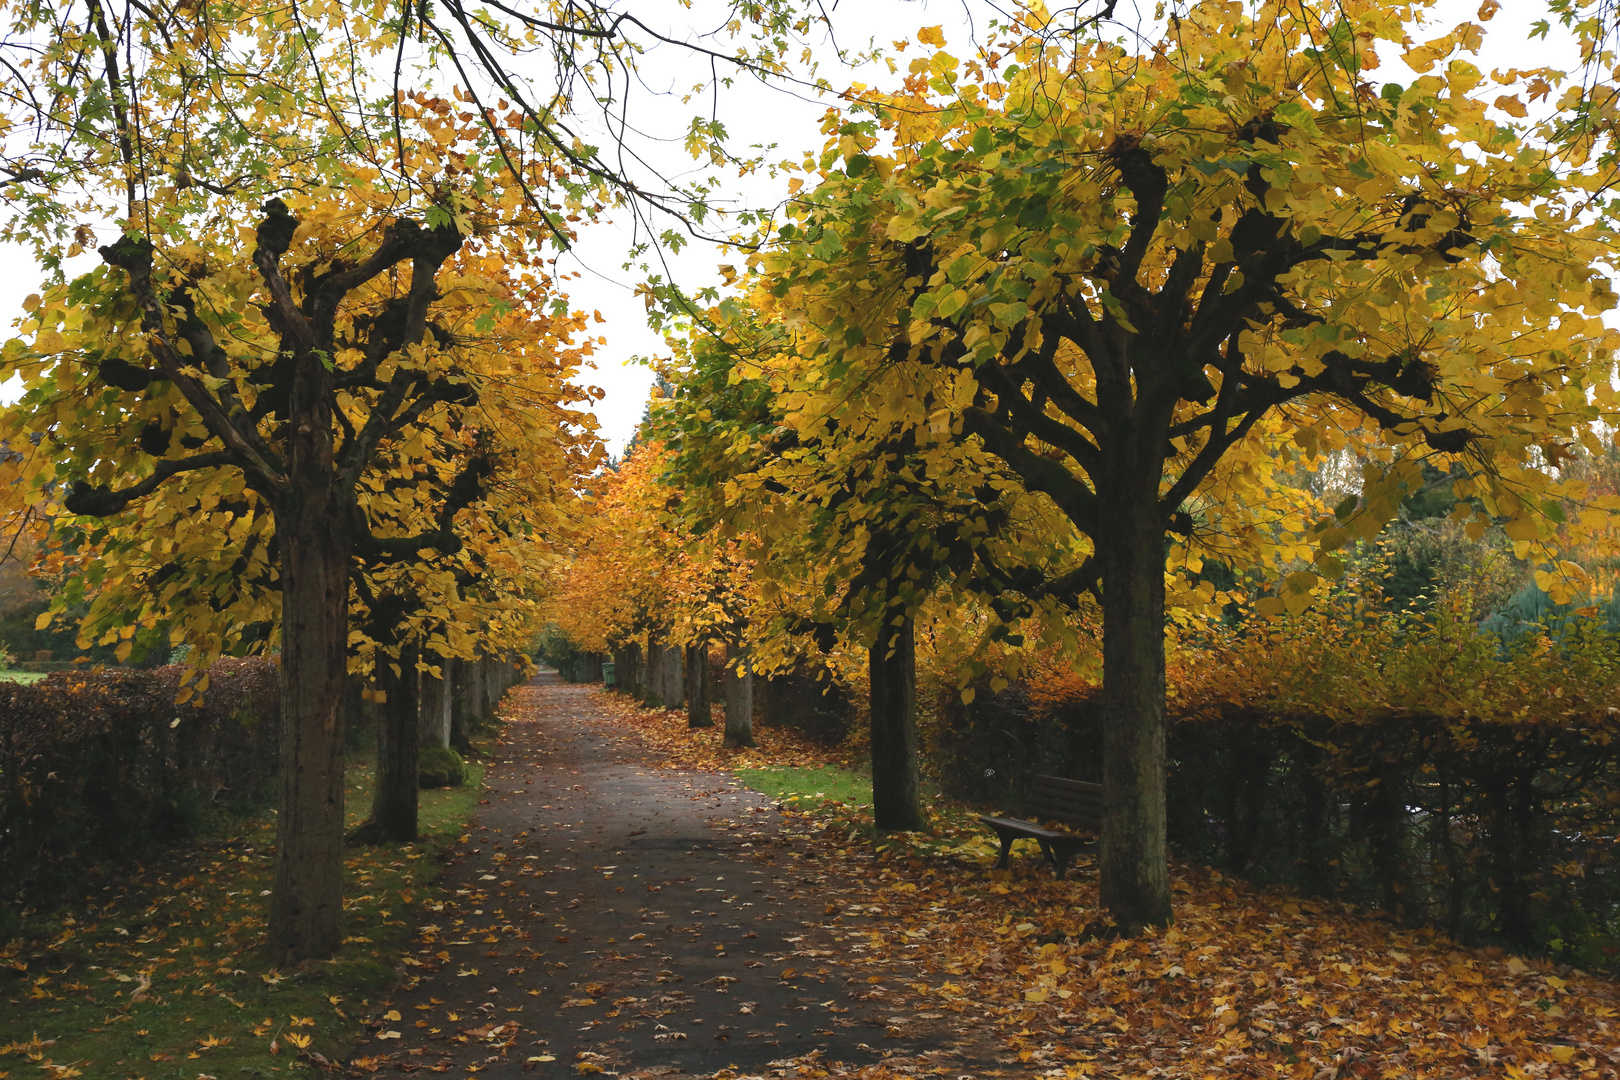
(810,786)
(163,981)
(21,676)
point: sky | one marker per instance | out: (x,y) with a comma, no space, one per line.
(757,115)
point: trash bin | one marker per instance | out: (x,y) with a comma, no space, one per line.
(607,672)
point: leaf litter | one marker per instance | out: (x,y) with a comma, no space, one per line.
(1248,982)
(160,975)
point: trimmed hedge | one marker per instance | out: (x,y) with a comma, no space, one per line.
(1496,831)
(1493,830)
(98,768)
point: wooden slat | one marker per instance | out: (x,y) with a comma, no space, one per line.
(1067,800)
(1062,783)
(1075,802)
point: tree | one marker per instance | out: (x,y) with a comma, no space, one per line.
(1125,280)
(345,337)
(871,538)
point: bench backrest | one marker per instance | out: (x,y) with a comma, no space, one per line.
(1073,802)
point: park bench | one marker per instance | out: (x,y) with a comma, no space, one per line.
(1053,798)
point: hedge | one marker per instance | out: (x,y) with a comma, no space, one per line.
(100,768)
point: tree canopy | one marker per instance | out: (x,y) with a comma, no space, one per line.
(1137,285)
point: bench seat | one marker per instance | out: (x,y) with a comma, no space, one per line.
(1054,798)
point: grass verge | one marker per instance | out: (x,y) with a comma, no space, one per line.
(839,799)
(161,978)
(21,676)
(806,786)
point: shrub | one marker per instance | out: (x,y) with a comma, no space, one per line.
(101,767)
(440,766)
(1410,761)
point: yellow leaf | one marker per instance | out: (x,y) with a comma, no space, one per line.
(931,35)
(1510,105)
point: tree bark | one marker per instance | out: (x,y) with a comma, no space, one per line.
(670,688)
(491,668)
(463,704)
(394,798)
(477,696)
(1134,879)
(307,892)
(892,667)
(434,723)
(627,672)
(653,683)
(739,691)
(698,714)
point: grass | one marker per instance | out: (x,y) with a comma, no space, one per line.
(162,979)
(807,786)
(21,676)
(841,800)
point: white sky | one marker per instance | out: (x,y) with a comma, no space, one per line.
(756,115)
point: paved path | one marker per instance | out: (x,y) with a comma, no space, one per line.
(606,914)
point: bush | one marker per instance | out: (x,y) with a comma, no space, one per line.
(1409,761)
(1491,831)
(440,766)
(102,767)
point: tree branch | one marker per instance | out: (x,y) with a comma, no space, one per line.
(134,257)
(1038,473)
(104,501)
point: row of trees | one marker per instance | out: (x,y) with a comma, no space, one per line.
(1049,332)
(1035,311)
(318,400)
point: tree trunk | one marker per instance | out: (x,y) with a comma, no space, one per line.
(307,893)
(739,690)
(394,798)
(627,672)
(698,714)
(463,704)
(434,722)
(354,711)
(652,684)
(478,688)
(670,688)
(1133,876)
(892,666)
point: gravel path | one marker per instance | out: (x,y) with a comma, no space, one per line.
(607,915)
